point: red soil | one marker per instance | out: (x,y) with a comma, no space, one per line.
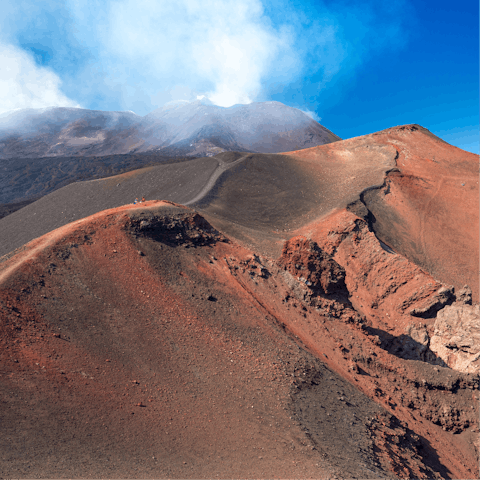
(141,342)
(428,209)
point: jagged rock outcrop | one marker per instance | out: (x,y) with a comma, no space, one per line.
(415,345)
(443,296)
(456,338)
(464,295)
(305,260)
(179,228)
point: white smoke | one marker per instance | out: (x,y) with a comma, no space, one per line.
(140,54)
(23,84)
(221,48)
(312,115)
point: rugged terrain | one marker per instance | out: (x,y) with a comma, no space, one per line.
(269,328)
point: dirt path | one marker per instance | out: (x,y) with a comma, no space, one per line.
(222,167)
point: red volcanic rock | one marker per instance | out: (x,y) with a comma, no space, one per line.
(224,348)
(204,349)
(427,208)
(443,296)
(382,284)
(305,260)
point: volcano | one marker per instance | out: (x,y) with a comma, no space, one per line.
(312,313)
(196,128)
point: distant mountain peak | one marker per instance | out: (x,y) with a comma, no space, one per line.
(204,100)
(179,127)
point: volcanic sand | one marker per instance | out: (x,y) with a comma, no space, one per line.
(266,192)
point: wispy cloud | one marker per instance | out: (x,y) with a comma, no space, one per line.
(24,84)
(312,115)
(223,49)
(139,54)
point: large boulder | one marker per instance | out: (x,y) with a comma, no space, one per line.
(456,338)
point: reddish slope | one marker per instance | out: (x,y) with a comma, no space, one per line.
(131,366)
(141,342)
(428,209)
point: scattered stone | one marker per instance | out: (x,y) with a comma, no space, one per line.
(307,262)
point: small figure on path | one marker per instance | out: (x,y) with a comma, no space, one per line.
(142,200)
(136,201)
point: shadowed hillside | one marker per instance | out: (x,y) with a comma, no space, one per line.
(24,180)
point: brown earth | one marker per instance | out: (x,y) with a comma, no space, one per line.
(266,332)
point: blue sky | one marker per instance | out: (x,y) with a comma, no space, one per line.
(357,67)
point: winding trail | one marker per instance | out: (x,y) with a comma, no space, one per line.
(222,167)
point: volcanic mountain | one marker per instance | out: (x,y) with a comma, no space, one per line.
(196,128)
(290,315)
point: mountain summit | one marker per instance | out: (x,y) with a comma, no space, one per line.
(196,128)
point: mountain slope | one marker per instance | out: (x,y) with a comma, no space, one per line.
(427,208)
(193,128)
(143,342)
(420,208)
(262,190)
(264,127)
(33,133)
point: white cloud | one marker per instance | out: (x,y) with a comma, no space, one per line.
(221,48)
(312,115)
(139,54)
(23,84)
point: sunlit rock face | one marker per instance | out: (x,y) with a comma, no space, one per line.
(456,338)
